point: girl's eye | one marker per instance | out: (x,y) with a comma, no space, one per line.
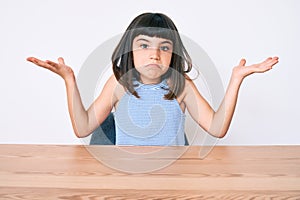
(164,48)
(144,46)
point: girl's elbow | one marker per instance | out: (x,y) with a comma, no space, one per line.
(81,134)
(217,133)
(222,135)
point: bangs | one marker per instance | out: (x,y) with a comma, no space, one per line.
(153,25)
(154,32)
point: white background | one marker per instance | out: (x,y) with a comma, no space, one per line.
(33,101)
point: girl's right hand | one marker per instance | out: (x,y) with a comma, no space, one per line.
(59,68)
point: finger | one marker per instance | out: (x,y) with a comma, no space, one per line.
(268,60)
(53,64)
(274,63)
(271,61)
(32,59)
(269,64)
(41,63)
(275,60)
(61,60)
(266,63)
(242,62)
(37,61)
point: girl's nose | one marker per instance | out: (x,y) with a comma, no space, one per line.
(155,54)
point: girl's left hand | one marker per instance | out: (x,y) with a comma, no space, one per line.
(241,71)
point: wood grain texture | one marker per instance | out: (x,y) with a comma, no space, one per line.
(71,172)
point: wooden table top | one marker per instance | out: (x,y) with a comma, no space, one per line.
(111,172)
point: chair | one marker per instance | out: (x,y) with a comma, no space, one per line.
(105,134)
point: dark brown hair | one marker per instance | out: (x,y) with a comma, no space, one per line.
(153,25)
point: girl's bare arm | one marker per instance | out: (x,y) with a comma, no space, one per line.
(217,122)
(83,121)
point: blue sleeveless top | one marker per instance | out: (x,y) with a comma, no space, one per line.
(150,119)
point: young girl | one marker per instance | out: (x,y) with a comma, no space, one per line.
(150,89)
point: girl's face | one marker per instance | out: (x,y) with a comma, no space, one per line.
(151,57)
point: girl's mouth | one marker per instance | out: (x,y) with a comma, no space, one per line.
(153,65)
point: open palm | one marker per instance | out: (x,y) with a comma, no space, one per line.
(243,71)
(59,68)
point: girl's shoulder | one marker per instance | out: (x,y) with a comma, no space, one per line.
(115,87)
(189,86)
(180,98)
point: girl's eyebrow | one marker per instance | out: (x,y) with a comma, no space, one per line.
(167,42)
(164,42)
(142,39)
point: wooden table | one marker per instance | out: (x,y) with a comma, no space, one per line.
(73,172)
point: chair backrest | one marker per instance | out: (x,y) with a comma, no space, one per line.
(105,134)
